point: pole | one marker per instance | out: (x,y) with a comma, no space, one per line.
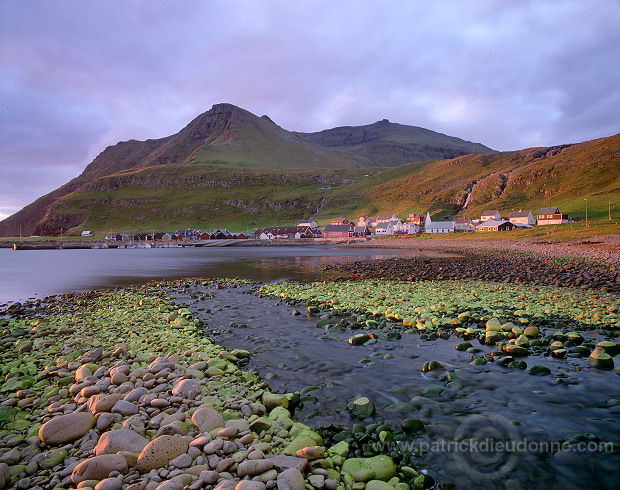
(609,210)
(586,212)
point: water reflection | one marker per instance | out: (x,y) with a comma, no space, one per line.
(35,273)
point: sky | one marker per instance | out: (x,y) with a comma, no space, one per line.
(79,75)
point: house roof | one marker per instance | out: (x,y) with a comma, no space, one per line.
(384,224)
(461,221)
(338,227)
(385,217)
(492,222)
(549,211)
(285,230)
(492,212)
(520,214)
(441,225)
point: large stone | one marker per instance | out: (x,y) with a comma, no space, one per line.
(109,484)
(600,359)
(160,451)
(361,407)
(102,402)
(187,388)
(250,485)
(272,400)
(291,479)
(305,437)
(125,408)
(5,475)
(99,467)
(207,419)
(114,441)
(283,462)
(376,468)
(378,485)
(252,467)
(66,428)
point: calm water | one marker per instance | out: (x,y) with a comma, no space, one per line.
(36,273)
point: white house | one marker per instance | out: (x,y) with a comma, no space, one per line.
(384,229)
(522,217)
(493,214)
(438,226)
(409,228)
(87,233)
(311,223)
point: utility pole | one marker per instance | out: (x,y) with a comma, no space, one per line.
(609,210)
(586,212)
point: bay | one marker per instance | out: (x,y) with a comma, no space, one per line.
(38,273)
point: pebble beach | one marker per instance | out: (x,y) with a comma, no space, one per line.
(125,389)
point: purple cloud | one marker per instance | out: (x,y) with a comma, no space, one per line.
(79,75)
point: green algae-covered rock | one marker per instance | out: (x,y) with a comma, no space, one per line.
(377,468)
(303,437)
(378,485)
(610,348)
(600,359)
(361,407)
(539,370)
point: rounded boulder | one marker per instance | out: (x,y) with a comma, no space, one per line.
(66,428)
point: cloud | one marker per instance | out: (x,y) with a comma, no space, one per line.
(78,75)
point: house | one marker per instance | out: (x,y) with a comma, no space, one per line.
(384,218)
(340,221)
(384,229)
(119,237)
(204,236)
(414,218)
(161,236)
(316,233)
(142,237)
(437,226)
(338,231)
(311,223)
(494,215)
(186,234)
(464,224)
(522,217)
(257,232)
(362,221)
(223,232)
(242,236)
(493,225)
(361,231)
(549,216)
(87,233)
(408,228)
(285,232)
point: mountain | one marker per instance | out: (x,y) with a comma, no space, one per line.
(227,135)
(388,144)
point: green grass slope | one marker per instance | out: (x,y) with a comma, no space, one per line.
(169,197)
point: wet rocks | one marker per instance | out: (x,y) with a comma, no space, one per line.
(361,407)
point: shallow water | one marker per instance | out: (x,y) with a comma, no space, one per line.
(292,353)
(36,273)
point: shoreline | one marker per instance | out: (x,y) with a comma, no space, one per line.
(601,247)
(183,364)
(159,406)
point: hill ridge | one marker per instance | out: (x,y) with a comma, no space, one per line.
(215,169)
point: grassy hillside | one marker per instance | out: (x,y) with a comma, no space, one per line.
(169,197)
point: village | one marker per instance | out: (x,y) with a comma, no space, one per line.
(364,228)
